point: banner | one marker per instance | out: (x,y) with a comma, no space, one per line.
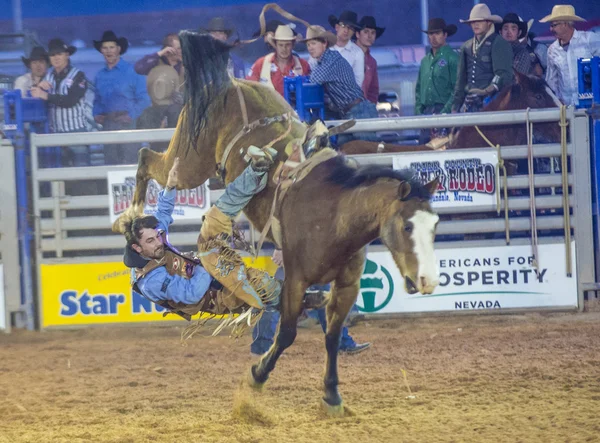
(92,293)
(190,203)
(2,300)
(466,178)
(474,279)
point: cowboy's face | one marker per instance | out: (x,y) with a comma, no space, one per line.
(559,29)
(437,39)
(510,32)
(111,52)
(219,35)
(283,49)
(344,32)
(59,61)
(366,37)
(316,48)
(150,244)
(38,67)
(176,44)
(481,27)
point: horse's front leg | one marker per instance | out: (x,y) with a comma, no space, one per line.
(290,308)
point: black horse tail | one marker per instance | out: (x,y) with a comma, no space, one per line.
(205,61)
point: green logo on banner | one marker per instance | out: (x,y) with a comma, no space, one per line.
(376,288)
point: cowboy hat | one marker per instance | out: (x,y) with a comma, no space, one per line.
(283,33)
(481,12)
(439,24)
(562,13)
(217,24)
(271,26)
(161,83)
(349,18)
(369,22)
(110,36)
(58,46)
(316,31)
(511,17)
(37,53)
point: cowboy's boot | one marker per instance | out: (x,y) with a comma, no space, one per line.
(261,159)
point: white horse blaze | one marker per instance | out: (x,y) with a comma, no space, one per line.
(422,236)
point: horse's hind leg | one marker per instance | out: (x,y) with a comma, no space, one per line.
(291,307)
(345,290)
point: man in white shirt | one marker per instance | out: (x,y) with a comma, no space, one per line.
(345,26)
(570,45)
(37,63)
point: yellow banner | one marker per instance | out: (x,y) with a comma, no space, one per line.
(94,293)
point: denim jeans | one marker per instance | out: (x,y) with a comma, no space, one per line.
(240,191)
(364,109)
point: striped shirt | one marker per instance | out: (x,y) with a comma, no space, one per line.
(336,75)
(66,100)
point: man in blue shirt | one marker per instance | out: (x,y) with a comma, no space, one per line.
(121,97)
(342,94)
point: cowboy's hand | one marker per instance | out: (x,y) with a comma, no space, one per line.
(168,50)
(278,257)
(476,92)
(44,85)
(99,119)
(173,178)
(36,92)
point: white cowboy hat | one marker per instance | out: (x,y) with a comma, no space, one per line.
(562,13)
(161,83)
(481,12)
(316,31)
(283,33)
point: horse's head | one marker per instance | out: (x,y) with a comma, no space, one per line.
(408,230)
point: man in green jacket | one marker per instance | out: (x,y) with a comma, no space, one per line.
(437,76)
(485,63)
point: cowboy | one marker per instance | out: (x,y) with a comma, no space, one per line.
(64,87)
(343,96)
(182,283)
(37,63)
(270,28)
(569,46)
(345,27)
(514,30)
(485,62)
(222,31)
(365,38)
(120,96)
(272,68)
(169,55)
(434,91)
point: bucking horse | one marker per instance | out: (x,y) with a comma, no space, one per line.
(325,217)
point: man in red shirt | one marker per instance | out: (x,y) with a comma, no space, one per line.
(364,40)
(272,68)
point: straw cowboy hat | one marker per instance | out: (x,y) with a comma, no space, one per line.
(562,13)
(369,22)
(58,46)
(481,12)
(511,17)
(348,18)
(37,53)
(316,31)
(161,83)
(439,24)
(110,36)
(217,24)
(283,33)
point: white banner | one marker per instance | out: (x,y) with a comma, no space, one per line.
(190,203)
(2,300)
(474,279)
(466,178)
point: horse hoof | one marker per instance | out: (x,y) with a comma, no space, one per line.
(333,410)
(251,380)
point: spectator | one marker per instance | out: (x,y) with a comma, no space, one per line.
(365,38)
(120,97)
(164,83)
(342,94)
(37,63)
(437,76)
(221,31)
(569,46)
(64,88)
(514,30)
(345,27)
(272,68)
(485,62)
(537,50)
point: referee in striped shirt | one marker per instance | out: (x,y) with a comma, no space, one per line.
(342,94)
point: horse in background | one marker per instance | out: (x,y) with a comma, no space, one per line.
(526,92)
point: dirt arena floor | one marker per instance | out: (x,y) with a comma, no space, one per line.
(509,378)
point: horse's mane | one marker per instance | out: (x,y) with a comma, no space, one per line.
(349,177)
(205,62)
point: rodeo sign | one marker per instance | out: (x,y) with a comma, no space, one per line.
(189,204)
(467,178)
